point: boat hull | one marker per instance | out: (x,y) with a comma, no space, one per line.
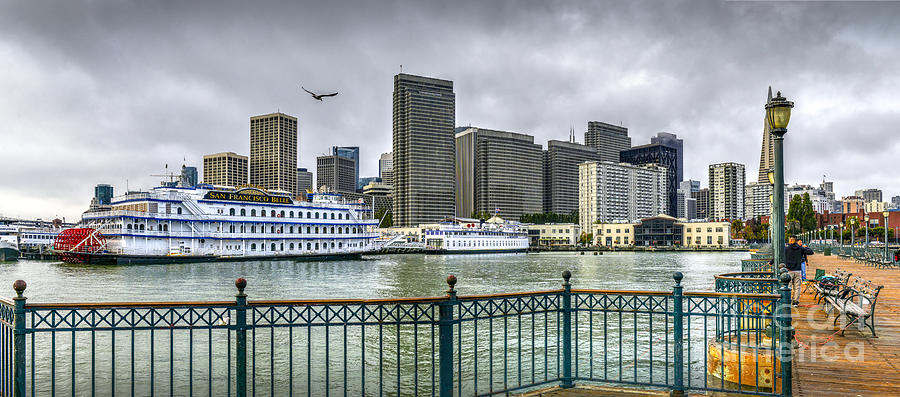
(113,259)
(8,254)
(472,252)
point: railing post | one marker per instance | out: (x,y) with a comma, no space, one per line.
(19,340)
(445,330)
(678,337)
(241,342)
(567,331)
(785,335)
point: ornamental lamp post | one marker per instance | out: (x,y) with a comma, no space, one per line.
(885,213)
(778,115)
(842,233)
(867,231)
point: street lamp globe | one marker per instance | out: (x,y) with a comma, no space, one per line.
(778,112)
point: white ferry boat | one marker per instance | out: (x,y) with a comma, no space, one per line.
(9,243)
(463,235)
(206,223)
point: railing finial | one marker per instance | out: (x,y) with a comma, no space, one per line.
(240,283)
(566,276)
(785,278)
(678,276)
(19,286)
(451,281)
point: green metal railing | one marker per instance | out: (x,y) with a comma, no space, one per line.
(758,265)
(446,345)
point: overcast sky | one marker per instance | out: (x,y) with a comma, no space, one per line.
(104,92)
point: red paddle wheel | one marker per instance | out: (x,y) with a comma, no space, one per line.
(75,245)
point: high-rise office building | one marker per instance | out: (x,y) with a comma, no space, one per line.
(702,197)
(424,146)
(687,203)
(386,168)
(817,197)
(225,169)
(726,191)
(336,173)
(869,194)
(609,192)
(608,139)
(852,204)
(672,141)
(757,200)
(662,155)
(767,152)
(188,176)
(560,165)
(103,193)
(273,152)
(304,180)
(350,152)
(492,168)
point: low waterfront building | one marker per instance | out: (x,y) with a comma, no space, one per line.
(658,231)
(554,234)
(663,231)
(704,234)
(614,235)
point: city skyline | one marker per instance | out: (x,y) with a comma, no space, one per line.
(157,101)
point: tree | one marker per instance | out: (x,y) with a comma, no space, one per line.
(807,214)
(549,217)
(737,228)
(481,215)
(387,220)
(794,215)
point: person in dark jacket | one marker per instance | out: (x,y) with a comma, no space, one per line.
(793,257)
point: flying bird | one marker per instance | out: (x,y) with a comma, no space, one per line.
(317,96)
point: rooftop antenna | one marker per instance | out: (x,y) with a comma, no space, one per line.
(401,68)
(572,134)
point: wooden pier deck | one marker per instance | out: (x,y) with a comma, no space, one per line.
(855,364)
(825,363)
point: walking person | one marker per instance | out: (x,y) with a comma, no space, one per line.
(802,261)
(793,256)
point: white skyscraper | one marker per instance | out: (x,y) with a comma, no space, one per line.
(610,192)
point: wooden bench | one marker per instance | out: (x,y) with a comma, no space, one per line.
(841,279)
(857,301)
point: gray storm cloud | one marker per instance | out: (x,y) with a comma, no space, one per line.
(98,92)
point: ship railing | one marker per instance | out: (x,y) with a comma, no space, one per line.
(448,345)
(224,218)
(237,235)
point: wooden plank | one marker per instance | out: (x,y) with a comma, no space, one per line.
(857,364)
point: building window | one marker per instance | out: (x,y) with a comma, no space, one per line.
(292,214)
(291,247)
(317,246)
(292,229)
(253,229)
(332,217)
(231,211)
(308,215)
(253,247)
(308,246)
(178,210)
(332,230)
(243,212)
(272,214)
(317,215)
(273,246)
(253,212)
